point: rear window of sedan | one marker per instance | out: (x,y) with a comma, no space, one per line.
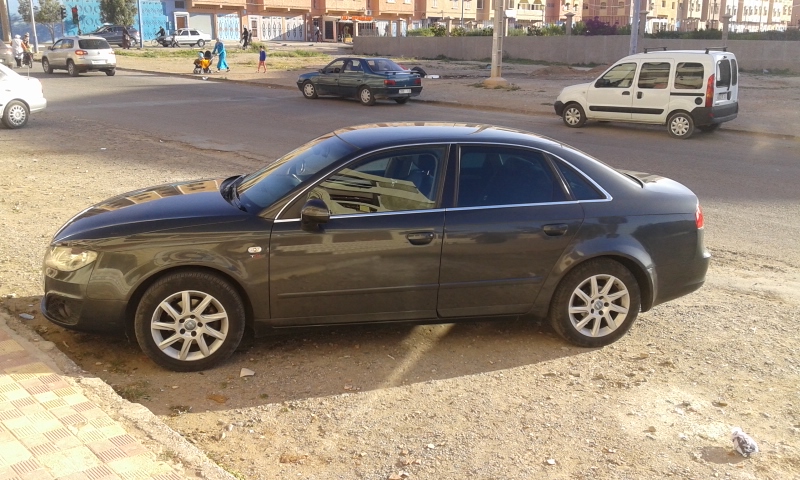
(94,44)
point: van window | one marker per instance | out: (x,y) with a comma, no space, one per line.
(620,76)
(689,75)
(734,72)
(724,73)
(654,75)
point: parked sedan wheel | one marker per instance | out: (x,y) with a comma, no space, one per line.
(680,125)
(72,69)
(189,321)
(201,43)
(573,115)
(365,96)
(595,304)
(401,101)
(309,90)
(46,66)
(16,114)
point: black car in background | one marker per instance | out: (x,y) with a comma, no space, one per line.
(411,222)
(113,34)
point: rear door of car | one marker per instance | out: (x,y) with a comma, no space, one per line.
(651,93)
(726,86)
(351,78)
(377,258)
(510,222)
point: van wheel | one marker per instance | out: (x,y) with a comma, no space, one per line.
(709,128)
(573,115)
(680,125)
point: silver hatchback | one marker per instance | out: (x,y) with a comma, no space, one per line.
(80,54)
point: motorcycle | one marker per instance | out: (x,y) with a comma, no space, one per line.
(27,59)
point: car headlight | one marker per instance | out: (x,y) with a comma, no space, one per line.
(68,259)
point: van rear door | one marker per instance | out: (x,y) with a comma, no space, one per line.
(726,87)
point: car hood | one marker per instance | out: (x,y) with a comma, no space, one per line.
(572,89)
(165,207)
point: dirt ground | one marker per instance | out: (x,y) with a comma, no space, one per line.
(484,400)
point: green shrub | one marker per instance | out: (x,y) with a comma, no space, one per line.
(480,32)
(439,30)
(458,32)
(297,53)
(419,32)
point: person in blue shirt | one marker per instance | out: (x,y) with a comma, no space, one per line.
(262,58)
(219,50)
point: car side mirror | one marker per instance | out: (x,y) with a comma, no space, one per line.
(314,213)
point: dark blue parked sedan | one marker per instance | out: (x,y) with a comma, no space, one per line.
(366,79)
(412,222)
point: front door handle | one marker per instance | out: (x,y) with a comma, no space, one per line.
(626,92)
(420,238)
(555,229)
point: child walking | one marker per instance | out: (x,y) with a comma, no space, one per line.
(262,57)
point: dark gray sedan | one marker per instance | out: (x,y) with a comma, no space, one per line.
(411,222)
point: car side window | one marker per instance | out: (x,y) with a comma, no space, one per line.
(59,44)
(353,66)
(392,181)
(492,176)
(581,188)
(689,76)
(67,44)
(654,75)
(724,73)
(334,67)
(620,76)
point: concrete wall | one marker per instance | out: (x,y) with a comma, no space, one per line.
(573,50)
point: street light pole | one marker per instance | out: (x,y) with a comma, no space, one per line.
(462,14)
(33,27)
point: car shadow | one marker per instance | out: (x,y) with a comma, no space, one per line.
(296,363)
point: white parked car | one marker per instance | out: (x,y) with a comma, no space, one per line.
(186,36)
(19,97)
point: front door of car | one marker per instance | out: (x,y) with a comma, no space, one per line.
(351,78)
(377,256)
(510,224)
(58,56)
(652,91)
(610,97)
(328,79)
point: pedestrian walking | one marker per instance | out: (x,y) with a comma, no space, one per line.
(126,38)
(16,49)
(316,33)
(262,58)
(245,38)
(219,51)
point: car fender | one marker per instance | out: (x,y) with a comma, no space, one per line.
(622,248)
(575,93)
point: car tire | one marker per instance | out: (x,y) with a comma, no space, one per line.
(46,66)
(709,128)
(680,125)
(191,340)
(72,69)
(401,101)
(573,115)
(365,96)
(309,90)
(16,114)
(201,43)
(595,304)
(111,72)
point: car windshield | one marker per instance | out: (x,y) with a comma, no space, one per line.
(262,188)
(383,65)
(93,44)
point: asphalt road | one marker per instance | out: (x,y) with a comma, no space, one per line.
(743,180)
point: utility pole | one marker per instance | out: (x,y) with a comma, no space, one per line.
(5,22)
(637,8)
(33,27)
(496,79)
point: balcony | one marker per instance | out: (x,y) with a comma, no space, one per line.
(351,6)
(398,7)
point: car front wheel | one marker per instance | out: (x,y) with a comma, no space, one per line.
(680,125)
(189,321)
(573,115)
(72,69)
(15,115)
(595,304)
(309,90)
(46,66)
(365,96)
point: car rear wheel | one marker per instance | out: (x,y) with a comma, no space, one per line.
(201,43)
(111,72)
(189,321)
(16,114)
(573,115)
(709,128)
(309,90)
(365,96)
(680,125)
(46,66)
(401,101)
(595,304)
(72,69)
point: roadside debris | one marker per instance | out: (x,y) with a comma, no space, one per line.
(743,443)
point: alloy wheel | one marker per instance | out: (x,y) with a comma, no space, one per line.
(599,305)
(189,325)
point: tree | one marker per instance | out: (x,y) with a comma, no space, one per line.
(118,12)
(48,14)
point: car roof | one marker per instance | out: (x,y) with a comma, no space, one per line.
(374,136)
(83,37)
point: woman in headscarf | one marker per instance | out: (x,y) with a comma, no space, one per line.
(126,38)
(219,50)
(16,48)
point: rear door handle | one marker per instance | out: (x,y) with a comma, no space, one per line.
(555,229)
(420,238)
(638,94)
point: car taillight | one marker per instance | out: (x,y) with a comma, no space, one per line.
(698,217)
(417,81)
(389,82)
(81,52)
(710,91)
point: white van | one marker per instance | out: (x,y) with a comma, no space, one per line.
(681,89)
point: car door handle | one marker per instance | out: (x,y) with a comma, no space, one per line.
(626,92)
(555,229)
(639,95)
(420,238)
